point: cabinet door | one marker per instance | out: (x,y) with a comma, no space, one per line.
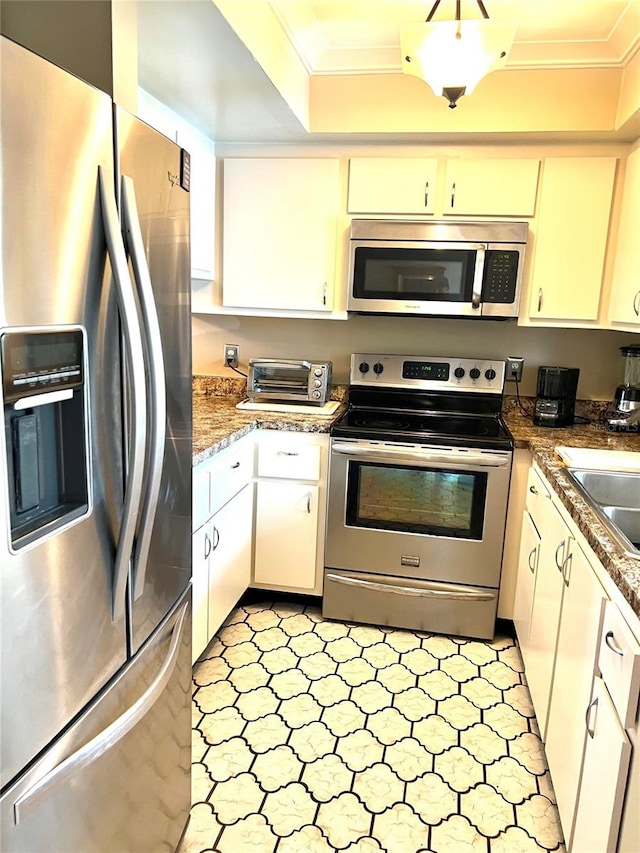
(571,238)
(279,233)
(578,642)
(625,298)
(392,185)
(527,568)
(230,561)
(286,534)
(200,590)
(202,200)
(604,776)
(545,613)
(491,187)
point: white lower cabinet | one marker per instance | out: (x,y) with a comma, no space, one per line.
(230,558)
(222,538)
(291,491)
(604,776)
(582,664)
(582,606)
(286,534)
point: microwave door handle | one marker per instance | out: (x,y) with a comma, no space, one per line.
(137,398)
(476,294)
(157,384)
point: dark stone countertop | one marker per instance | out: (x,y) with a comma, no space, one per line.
(217,424)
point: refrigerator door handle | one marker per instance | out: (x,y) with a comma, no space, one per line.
(107,738)
(157,386)
(137,398)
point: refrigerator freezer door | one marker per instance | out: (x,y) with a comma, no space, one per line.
(119,779)
(150,164)
(58,644)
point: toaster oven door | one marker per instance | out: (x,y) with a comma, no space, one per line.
(279,380)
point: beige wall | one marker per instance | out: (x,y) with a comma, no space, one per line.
(595,352)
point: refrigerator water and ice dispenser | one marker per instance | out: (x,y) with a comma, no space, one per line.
(45,411)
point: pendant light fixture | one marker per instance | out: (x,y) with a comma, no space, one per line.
(453,56)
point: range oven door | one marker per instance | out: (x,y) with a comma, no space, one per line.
(415,536)
(430,513)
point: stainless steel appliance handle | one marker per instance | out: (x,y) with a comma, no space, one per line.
(138,398)
(414,592)
(476,293)
(485,460)
(157,385)
(107,738)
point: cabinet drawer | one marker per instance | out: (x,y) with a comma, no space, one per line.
(289,460)
(230,474)
(619,663)
(537,496)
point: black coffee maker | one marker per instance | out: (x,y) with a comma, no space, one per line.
(556,396)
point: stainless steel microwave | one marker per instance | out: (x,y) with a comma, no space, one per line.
(288,380)
(437,269)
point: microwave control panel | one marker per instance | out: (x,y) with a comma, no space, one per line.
(500,275)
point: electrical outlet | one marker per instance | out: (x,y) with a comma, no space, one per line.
(231,355)
(514,368)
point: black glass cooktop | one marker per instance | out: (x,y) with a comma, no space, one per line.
(432,428)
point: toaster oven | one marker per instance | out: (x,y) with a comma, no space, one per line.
(288,380)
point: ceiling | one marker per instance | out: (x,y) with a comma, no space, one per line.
(362,36)
(213,72)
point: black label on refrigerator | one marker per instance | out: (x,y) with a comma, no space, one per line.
(185,170)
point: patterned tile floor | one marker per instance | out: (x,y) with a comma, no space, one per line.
(319,736)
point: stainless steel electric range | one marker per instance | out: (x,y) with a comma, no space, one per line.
(418,489)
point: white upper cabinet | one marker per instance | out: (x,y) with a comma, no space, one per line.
(279,233)
(491,187)
(571,238)
(203,185)
(392,185)
(624,308)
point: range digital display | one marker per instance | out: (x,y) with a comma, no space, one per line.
(435,371)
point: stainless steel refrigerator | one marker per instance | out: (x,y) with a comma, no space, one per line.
(95,471)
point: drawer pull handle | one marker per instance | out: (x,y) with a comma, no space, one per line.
(540,300)
(287,453)
(216,538)
(593,704)
(533,490)
(308,503)
(636,304)
(207,546)
(453,194)
(426,194)
(532,559)
(559,561)
(236,465)
(610,640)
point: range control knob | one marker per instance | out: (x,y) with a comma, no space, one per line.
(363,367)
(378,368)
(490,374)
(315,394)
(474,373)
(317,383)
(317,371)
(459,372)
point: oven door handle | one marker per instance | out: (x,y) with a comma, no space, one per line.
(413,591)
(477,459)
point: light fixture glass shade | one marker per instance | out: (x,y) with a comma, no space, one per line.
(453,56)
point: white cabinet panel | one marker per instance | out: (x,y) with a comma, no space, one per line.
(604,775)
(624,307)
(283,457)
(571,238)
(230,560)
(200,590)
(619,664)
(392,185)
(279,233)
(491,187)
(286,534)
(527,568)
(582,608)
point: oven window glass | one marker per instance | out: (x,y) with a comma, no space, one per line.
(416,500)
(431,275)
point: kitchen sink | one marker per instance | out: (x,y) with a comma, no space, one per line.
(610,488)
(627,521)
(615,498)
